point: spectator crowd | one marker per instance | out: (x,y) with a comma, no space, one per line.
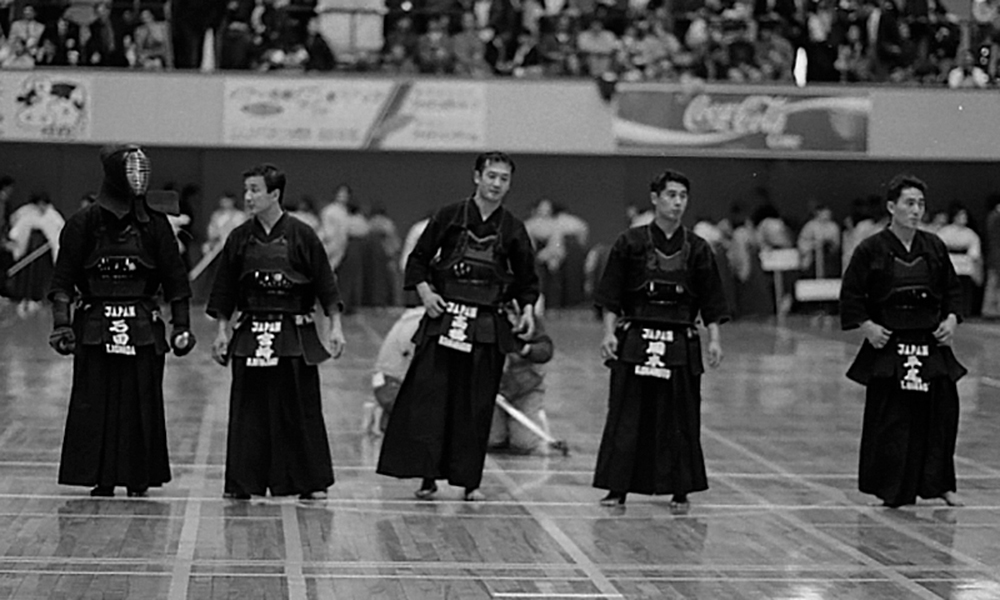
(870,41)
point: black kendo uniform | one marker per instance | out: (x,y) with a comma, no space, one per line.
(911,401)
(440,423)
(657,286)
(277,437)
(117,256)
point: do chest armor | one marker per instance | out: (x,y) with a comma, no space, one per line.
(119,266)
(910,302)
(476,271)
(269,281)
(661,288)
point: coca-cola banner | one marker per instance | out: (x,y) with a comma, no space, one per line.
(742,120)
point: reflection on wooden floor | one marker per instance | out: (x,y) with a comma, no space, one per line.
(782,520)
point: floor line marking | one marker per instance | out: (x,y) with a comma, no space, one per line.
(875,515)
(758,507)
(987,472)
(549,525)
(293,552)
(918,591)
(186,545)
(990,471)
(14,427)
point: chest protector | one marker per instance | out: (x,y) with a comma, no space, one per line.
(476,272)
(269,282)
(662,291)
(119,265)
(910,303)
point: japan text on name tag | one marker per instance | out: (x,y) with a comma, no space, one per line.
(656,347)
(118,316)
(266,333)
(457,337)
(911,354)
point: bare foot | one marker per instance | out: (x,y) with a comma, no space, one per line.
(474,496)
(952,499)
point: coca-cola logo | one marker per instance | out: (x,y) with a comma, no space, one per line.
(757,114)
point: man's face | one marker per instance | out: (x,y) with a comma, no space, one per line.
(256,198)
(493,183)
(671,202)
(908,210)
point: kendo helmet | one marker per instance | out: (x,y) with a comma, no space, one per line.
(126,169)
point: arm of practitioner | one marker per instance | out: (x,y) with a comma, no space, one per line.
(327,292)
(68,270)
(951,298)
(854,303)
(609,295)
(418,265)
(609,344)
(222,300)
(525,288)
(712,303)
(176,287)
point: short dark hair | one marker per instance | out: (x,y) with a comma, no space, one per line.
(6,181)
(274,178)
(659,182)
(495,156)
(901,182)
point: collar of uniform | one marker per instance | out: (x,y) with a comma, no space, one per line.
(120,207)
(471,203)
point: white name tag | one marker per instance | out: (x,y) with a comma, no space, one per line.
(659,372)
(264,355)
(120,339)
(656,347)
(457,337)
(912,380)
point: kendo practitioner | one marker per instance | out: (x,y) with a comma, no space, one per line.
(660,277)
(273,270)
(901,290)
(472,259)
(117,257)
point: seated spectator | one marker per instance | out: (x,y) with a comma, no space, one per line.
(558,48)
(597,48)
(435,52)
(27,30)
(403,37)
(235,46)
(741,61)
(526,60)
(15,55)
(64,37)
(397,60)
(774,52)
(469,49)
(106,46)
(319,55)
(967,74)
(152,42)
(852,62)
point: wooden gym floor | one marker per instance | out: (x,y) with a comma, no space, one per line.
(783,518)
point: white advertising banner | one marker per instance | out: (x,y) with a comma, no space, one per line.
(302,112)
(434,115)
(354,114)
(45,106)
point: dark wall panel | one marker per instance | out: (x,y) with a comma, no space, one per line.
(596,188)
